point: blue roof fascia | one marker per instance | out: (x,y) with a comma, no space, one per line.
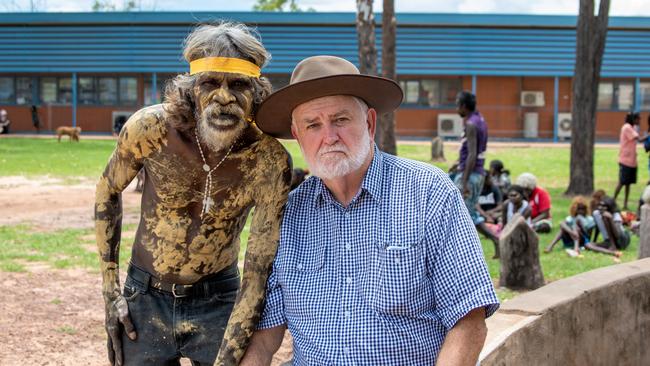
(332,18)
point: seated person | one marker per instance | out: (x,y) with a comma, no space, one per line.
(610,224)
(539,201)
(515,204)
(575,230)
(500,177)
(489,202)
(4,122)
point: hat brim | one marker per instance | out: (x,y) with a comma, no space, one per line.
(274,114)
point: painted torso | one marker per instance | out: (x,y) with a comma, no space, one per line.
(172,241)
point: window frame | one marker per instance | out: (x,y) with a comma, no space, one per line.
(614,104)
(437,82)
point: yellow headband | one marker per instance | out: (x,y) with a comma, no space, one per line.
(225,64)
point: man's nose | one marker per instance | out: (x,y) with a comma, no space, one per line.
(223,95)
(331,134)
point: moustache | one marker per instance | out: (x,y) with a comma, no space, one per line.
(333,148)
(215,109)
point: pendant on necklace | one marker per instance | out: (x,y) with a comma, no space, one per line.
(206,167)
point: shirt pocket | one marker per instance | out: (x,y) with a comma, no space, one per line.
(396,281)
(302,279)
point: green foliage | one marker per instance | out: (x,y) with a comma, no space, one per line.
(278,5)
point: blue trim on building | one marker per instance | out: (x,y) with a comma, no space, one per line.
(427,44)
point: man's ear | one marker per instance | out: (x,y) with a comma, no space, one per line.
(371,122)
(293,131)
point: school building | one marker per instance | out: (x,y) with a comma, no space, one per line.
(93,69)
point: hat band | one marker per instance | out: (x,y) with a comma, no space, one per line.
(225,64)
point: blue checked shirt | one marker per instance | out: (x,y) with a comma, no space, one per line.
(382,281)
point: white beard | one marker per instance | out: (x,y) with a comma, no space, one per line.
(217,139)
(330,166)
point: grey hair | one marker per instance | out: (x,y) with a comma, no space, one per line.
(225,39)
(527,180)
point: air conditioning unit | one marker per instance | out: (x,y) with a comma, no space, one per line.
(564,125)
(118,119)
(450,125)
(532,99)
(531,122)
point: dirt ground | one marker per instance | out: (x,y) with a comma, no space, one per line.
(50,316)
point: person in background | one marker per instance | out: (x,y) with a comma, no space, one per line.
(627,162)
(489,202)
(576,229)
(468,173)
(539,201)
(4,122)
(515,204)
(35,120)
(499,176)
(610,224)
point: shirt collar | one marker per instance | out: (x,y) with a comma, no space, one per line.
(371,182)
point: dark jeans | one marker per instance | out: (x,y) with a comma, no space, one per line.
(169,327)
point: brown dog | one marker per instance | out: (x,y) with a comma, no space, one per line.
(73,132)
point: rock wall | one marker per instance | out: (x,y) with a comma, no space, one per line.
(600,317)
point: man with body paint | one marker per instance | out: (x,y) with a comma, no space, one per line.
(207,166)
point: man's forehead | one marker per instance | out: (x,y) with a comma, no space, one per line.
(330,105)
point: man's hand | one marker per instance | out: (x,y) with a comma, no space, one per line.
(117,316)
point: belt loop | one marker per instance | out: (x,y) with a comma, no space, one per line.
(147,281)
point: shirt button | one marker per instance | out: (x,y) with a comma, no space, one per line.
(348,246)
(346,350)
(347,313)
(396,260)
(299,266)
(348,280)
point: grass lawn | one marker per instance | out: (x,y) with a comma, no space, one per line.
(86,160)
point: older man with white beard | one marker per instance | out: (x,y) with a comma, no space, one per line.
(379,262)
(207,166)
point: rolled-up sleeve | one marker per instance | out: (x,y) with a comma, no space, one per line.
(273,314)
(456,263)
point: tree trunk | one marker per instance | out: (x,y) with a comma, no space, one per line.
(389,27)
(367,47)
(519,249)
(591,32)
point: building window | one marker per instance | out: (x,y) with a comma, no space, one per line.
(644,89)
(65,90)
(24,90)
(7,91)
(86,93)
(107,91)
(161,81)
(436,93)
(616,95)
(128,90)
(48,90)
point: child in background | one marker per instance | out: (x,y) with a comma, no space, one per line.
(500,177)
(515,204)
(610,224)
(576,229)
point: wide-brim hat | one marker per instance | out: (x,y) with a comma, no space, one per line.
(321,76)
